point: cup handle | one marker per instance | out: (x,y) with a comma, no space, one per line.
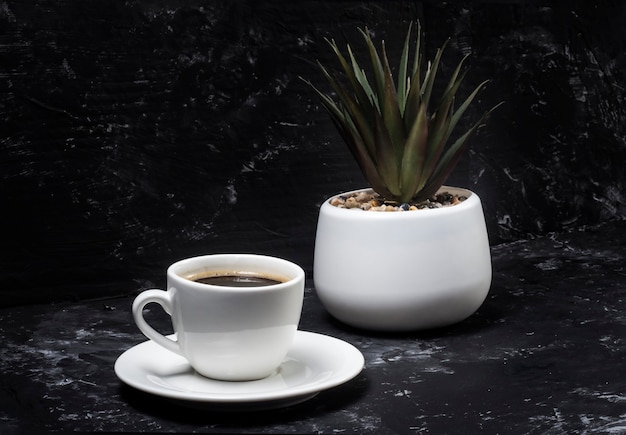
(162,298)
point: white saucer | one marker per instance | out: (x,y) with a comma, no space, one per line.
(315,363)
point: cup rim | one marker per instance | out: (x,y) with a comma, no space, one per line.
(292,271)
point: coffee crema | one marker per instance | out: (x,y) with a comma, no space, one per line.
(234,279)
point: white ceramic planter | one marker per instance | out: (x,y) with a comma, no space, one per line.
(402,271)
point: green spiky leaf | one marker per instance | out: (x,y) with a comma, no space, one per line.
(399,141)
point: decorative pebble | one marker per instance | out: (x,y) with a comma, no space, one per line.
(363,197)
(336,201)
(352,202)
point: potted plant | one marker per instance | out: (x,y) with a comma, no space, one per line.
(407,253)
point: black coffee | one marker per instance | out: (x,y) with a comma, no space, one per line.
(237,280)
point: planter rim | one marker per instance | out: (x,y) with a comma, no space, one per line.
(472,200)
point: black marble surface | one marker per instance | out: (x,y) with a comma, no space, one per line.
(133,134)
(545,354)
(136,133)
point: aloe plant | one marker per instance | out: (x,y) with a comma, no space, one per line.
(399,143)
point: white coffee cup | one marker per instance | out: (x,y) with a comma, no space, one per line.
(228,332)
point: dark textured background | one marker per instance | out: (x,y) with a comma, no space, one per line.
(137,133)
